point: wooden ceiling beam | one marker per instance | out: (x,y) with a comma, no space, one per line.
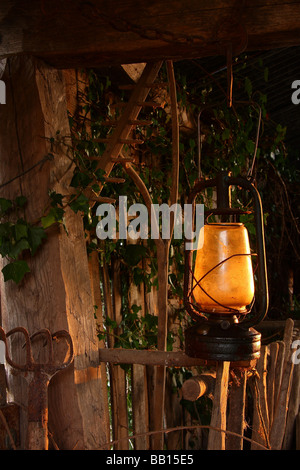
(95,33)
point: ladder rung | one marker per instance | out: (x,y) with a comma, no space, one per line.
(131,141)
(109,179)
(122,159)
(140,123)
(102,199)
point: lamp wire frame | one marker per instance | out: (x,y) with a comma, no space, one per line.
(197,283)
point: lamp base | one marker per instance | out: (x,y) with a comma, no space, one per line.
(222,341)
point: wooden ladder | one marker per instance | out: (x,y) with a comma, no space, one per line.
(125,124)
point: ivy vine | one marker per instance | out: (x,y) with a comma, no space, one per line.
(229,141)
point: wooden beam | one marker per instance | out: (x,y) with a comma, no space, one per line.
(76,33)
(148,357)
(153,357)
(56,294)
(273,325)
(260,426)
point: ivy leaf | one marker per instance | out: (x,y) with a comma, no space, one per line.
(100,173)
(134,254)
(5,247)
(56,198)
(5,229)
(81,203)
(21,230)
(136,308)
(248,87)
(54,215)
(5,204)
(250,146)
(192,144)
(226,134)
(266,74)
(138,276)
(80,179)
(17,249)
(35,237)
(15,271)
(21,201)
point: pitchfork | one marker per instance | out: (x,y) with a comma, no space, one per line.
(38,376)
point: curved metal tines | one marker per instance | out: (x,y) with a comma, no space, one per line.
(29,357)
(66,335)
(196,310)
(31,364)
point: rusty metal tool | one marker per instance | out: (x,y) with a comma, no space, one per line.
(38,376)
(9,412)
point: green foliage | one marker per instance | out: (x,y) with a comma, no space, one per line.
(229,144)
(18,238)
(15,271)
(135,331)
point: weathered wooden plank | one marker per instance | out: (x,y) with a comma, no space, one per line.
(271,325)
(216,439)
(279,422)
(260,426)
(74,34)
(149,357)
(57,294)
(76,83)
(281,406)
(236,416)
(154,357)
(273,349)
(293,409)
(278,370)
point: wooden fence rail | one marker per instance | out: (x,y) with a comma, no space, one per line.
(273,383)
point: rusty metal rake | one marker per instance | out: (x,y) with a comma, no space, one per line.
(38,376)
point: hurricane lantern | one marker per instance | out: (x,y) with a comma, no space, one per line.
(225,289)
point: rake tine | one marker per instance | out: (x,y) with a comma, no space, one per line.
(29,357)
(65,334)
(48,341)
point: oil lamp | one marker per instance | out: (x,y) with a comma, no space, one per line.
(225,288)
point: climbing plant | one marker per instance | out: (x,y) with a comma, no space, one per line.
(228,143)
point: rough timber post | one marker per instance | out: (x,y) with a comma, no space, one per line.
(57,293)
